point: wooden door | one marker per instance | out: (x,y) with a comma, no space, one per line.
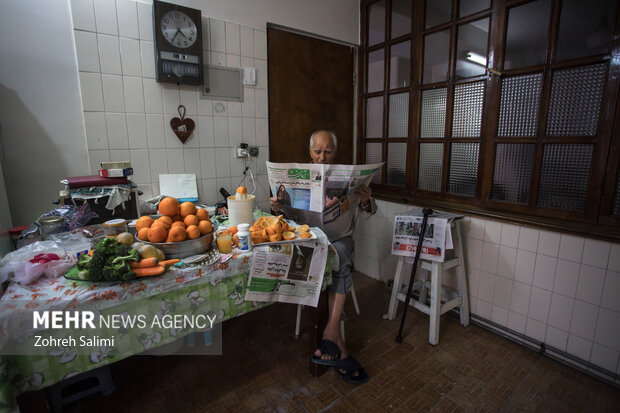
(310,88)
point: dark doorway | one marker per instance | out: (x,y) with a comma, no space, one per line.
(310,88)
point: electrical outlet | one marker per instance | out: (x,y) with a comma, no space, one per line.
(253,151)
(242,153)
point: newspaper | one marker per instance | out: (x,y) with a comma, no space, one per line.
(316,194)
(289,273)
(437,237)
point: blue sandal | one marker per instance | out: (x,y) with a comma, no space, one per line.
(350,367)
(331,349)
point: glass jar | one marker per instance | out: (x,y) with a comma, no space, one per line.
(114,227)
(51,225)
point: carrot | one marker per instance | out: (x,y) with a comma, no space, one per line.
(144,263)
(168,263)
(146,272)
(91,252)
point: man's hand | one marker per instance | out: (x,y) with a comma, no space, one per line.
(364,192)
(274,204)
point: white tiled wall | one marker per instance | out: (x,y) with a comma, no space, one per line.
(560,289)
(127,113)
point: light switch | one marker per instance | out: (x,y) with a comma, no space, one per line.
(249,76)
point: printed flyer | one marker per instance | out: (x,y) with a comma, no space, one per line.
(437,237)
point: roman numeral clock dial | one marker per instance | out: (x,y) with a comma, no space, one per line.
(178,43)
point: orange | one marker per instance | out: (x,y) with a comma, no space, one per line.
(177,218)
(157,233)
(143,234)
(242,190)
(288,235)
(158,223)
(202,214)
(187,208)
(178,224)
(193,232)
(144,222)
(303,228)
(205,227)
(191,220)
(305,235)
(169,206)
(233,230)
(167,221)
(177,234)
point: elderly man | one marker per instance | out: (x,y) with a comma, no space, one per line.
(332,350)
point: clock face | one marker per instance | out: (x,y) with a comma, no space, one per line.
(178,29)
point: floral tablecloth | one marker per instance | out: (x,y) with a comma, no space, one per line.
(216,290)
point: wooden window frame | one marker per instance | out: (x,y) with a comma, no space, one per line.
(595,220)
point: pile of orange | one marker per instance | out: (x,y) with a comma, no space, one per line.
(273,229)
(177,223)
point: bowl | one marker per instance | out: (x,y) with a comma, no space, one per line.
(185,248)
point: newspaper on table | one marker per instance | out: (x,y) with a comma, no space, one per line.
(316,194)
(288,273)
(437,238)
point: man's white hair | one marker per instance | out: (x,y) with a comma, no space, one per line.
(331,135)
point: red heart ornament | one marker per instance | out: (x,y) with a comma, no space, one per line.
(182,127)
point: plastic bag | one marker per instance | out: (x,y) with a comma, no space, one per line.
(32,271)
(75,215)
(18,262)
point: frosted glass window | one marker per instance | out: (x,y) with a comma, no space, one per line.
(565,176)
(616,206)
(467,116)
(463,168)
(376,23)
(520,102)
(401,17)
(513,172)
(526,36)
(433,115)
(430,166)
(576,95)
(374,117)
(398,124)
(396,164)
(400,65)
(374,154)
(376,69)
(436,56)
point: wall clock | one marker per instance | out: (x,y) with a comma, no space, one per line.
(178,43)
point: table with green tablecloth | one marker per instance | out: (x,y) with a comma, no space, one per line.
(216,290)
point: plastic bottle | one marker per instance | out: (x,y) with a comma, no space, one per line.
(243,236)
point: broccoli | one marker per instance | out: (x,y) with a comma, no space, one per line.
(84,266)
(110,262)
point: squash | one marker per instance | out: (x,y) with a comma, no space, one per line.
(125,238)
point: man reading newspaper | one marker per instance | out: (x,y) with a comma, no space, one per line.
(337,220)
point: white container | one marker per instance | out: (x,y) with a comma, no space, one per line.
(243,237)
(241,211)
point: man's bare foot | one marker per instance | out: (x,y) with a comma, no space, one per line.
(335,337)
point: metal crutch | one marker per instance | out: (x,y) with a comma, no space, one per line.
(426,212)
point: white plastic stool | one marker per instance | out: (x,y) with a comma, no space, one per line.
(436,308)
